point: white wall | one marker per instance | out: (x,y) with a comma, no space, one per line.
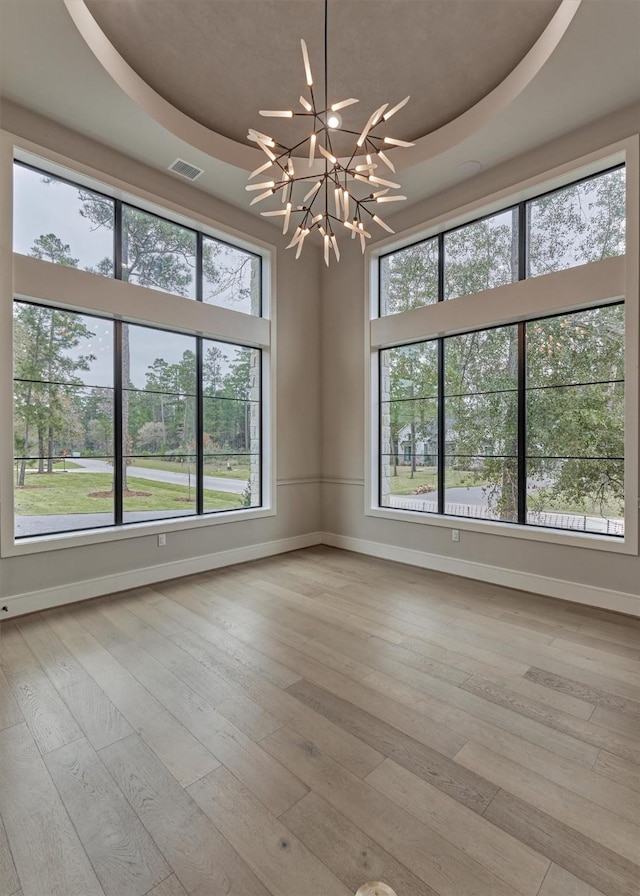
(38,579)
(577,573)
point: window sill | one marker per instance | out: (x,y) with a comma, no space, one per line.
(590,541)
(64,540)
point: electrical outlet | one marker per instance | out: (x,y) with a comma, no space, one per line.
(455,535)
(162,540)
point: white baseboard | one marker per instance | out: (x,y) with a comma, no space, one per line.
(602,598)
(46,598)
(589,595)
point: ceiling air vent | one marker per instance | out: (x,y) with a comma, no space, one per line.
(185,169)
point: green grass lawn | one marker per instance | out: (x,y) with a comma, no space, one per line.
(543,499)
(238,471)
(48,493)
(403,484)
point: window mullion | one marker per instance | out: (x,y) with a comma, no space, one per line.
(199,429)
(522,423)
(117,423)
(441,426)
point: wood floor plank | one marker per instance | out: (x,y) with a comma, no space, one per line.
(121,851)
(442,772)
(625,724)
(274,785)
(583,781)
(425,853)
(100,721)
(346,749)
(514,863)
(281,861)
(619,658)
(183,755)
(352,855)
(584,858)
(137,623)
(617,769)
(44,711)
(604,645)
(530,690)
(48,855)
(60,666)
(169,887)
(252,659)
(203,860)
(589,732)
(479,721)
(576,688)
(9,711)
(560,882)
(615,832)
(9,883)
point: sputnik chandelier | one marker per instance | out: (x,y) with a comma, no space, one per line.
(334,201)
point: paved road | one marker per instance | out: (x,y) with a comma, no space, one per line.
(211,483)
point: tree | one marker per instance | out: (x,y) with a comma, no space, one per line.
(45,340)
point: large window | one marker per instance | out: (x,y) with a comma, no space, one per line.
(117,422)
(190,432)
(520,423)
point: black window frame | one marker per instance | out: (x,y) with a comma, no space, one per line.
(118,236)
(522,455)
(522,208)
(118,455)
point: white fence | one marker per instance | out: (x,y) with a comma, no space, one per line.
(574,522)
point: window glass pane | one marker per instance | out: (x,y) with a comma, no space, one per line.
(409,427)
(410,482)
(231,426)
(481,255)
(584,347)
(231,481)
(63,466)
(158,360)
(575,433)
(579,494)
(63,420)
(576,420)
(157,253)
(159,487)
(62,346)
(409,278)
(158,423)
(577,224)
(481,487)
(61,223)
(483,361)
(231,277)
(481,424)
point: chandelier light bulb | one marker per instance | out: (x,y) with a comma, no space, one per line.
(331,199)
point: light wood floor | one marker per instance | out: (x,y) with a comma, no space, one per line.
(300,725)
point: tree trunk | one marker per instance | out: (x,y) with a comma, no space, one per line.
(40,448)
(50,450)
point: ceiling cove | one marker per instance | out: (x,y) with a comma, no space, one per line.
(204,76)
